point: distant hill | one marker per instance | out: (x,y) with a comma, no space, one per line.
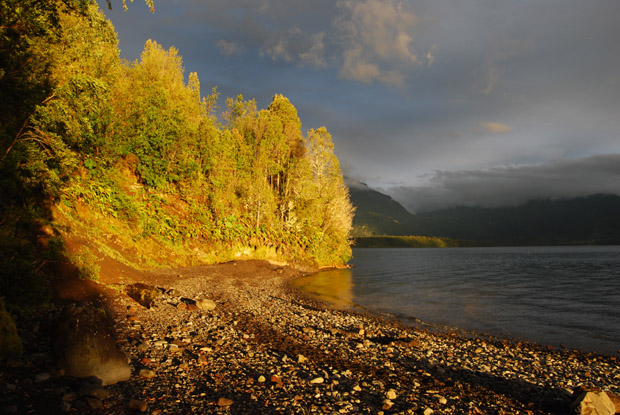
(590,220)
(377,213)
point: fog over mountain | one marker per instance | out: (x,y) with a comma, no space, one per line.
(513,185)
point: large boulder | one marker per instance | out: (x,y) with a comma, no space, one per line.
(592,403)
(143,294)
(615,399)
(86,345)
(205,304)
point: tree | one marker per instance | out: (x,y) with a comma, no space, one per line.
(279,148)
(24,81)
(27,175)
(330,209)
(149,3)
(84,66)
(137,143)
(160,116)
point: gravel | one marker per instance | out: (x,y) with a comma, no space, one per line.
(265,348)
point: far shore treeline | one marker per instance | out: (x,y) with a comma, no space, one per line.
(585,220)
(410,241)
(100,157)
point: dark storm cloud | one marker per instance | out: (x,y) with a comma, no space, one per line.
(512,185)
(408,88)
(366,41)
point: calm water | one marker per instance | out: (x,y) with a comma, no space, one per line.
(551,295)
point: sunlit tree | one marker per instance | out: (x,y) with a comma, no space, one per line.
(331,210)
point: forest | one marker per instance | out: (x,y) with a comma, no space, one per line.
(585,220)
(100,157)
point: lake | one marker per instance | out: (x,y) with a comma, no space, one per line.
(552,295)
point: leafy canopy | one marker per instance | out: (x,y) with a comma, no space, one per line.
(133,151)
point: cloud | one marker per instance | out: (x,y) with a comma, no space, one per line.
(293,45)
(430,58)
(495,127)
(513,185)
(368,41)
(354,66)
(315,56)
(549,70)
(376,40)
(492,74)
(229,49)
(495,63)
(281,45)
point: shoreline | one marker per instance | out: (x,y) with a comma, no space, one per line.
(561,296)
(269,348)
(467,333)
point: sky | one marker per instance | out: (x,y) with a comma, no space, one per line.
(435,102)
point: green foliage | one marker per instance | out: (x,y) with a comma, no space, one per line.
(162,119)
(23,73)
(149,3)
(131,157)
(47,100)
(327,208)
(378,214)
(86,263)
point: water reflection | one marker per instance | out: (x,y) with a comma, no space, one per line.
(334,287)
(549,295)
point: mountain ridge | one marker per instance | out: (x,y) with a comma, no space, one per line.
(586,220)
(376,213)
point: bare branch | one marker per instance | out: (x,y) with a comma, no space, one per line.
(22,131)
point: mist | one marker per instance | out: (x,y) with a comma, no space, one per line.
(513,185)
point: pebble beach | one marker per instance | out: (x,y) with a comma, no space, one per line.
(238,338)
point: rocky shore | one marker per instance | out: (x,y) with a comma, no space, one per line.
(237,338)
